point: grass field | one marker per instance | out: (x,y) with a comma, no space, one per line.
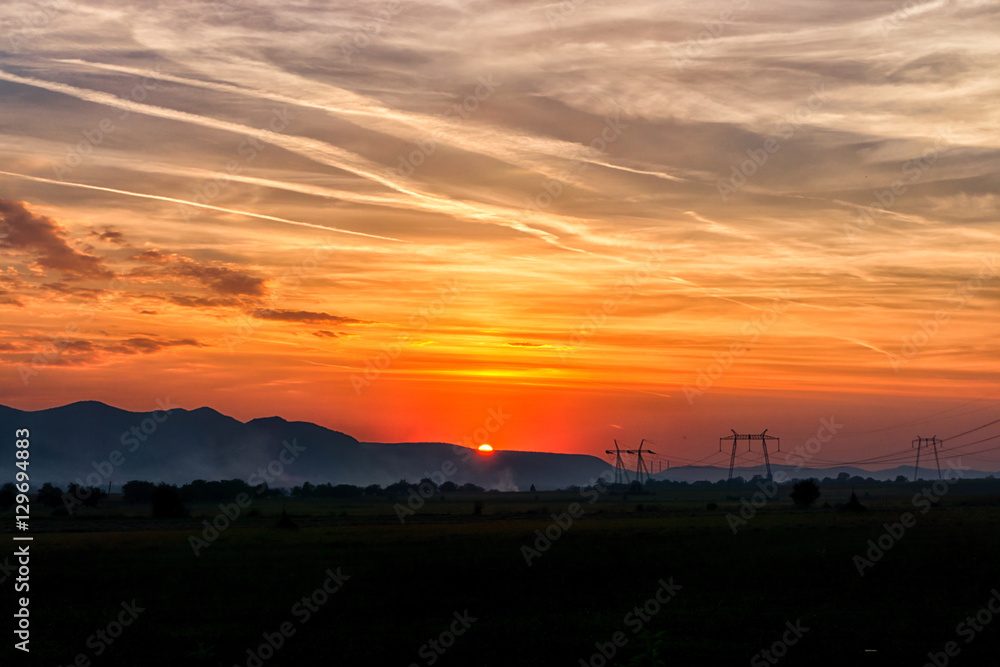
(404,584)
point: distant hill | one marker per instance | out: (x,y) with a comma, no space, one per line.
(714,474)
(92,439)
(80,439)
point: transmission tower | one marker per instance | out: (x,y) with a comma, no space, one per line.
(919,443)
(640,465)
(620,468)
(763,437)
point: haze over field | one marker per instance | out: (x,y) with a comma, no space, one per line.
(641,220)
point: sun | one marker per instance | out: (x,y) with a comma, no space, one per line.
(485,448)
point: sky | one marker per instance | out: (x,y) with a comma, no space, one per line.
(545,225)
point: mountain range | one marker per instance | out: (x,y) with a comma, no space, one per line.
(97,444)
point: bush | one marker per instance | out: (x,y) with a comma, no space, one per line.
(805,492)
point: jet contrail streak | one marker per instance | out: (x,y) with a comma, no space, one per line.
(143,195)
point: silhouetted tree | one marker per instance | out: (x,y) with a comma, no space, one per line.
(448,487)
(88,496)
(8,493)
(900,479)
(805,492)
(50,496)
(304,491)
(137,492)
(373,490)
(166,502)
(532,489)
(469,487)
(399,488)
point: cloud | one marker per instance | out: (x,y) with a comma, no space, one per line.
(222,279)
(303,316)
(110,235)
(202,301)
(24,231)
(154,256)
(327,334)
(10,298)
(147,345)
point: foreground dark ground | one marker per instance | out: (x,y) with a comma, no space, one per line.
(407,582)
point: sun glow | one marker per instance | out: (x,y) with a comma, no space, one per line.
(485,448)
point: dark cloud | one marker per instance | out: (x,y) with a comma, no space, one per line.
(202,301)
(222,279)
(22,230)
(9,298)
(303,316)
(147,345)
(154,257)
(326,334)
(72,290)
(110,235)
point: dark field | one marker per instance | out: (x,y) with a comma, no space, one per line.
(404,584)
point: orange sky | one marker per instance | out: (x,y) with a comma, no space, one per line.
(608,223)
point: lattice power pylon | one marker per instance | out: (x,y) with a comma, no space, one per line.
(919,443)
(763,437)
(620,468)
(640,465)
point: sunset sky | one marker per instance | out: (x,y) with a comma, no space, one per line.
(648,219)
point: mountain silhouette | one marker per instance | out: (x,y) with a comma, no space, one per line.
(92,442)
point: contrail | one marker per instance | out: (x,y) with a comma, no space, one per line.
(313,149)
(143,195)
